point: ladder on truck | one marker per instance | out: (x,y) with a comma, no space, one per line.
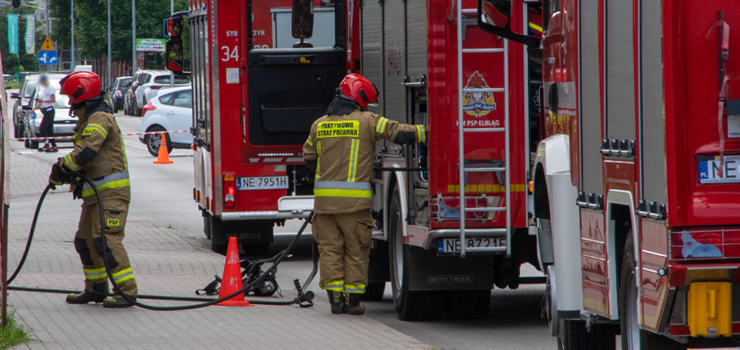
(462,130)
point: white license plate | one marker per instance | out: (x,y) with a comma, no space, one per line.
(713,170)
(452,245)
(262,183)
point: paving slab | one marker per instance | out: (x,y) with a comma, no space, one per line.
(168,262)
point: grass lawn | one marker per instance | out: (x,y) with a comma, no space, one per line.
(14,85)
(13,334)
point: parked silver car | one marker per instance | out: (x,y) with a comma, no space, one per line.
(24,94)
(64,123)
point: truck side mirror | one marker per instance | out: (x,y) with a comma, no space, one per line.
(302,20)
(173,48)
(494,16)
(15,95)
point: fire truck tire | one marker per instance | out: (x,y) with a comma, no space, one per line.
(467,304)
(374,291)
(634,338)
(255,248)
(153,141)
(207,225)
(410,305)
(574,336)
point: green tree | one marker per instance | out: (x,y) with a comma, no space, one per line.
(27,61)
(91,24)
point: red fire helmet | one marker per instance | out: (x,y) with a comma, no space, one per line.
(81,86)
(359,89)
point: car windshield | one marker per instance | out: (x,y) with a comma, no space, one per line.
(62,102)
(165,79)
(29,89)
(124,84)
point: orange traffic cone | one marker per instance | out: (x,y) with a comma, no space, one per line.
(163,157)
(232,278)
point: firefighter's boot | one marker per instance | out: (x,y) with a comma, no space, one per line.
(353,305)
(336,299)
(117,302)
(97,295)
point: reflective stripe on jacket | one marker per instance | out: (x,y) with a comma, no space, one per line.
(344,147)
(100,155)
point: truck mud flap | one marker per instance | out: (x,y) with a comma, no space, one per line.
(430,272)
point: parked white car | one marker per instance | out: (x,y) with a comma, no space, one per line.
(170,110)
(152,82)
(64,123)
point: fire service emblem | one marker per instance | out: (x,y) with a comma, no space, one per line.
(478,104)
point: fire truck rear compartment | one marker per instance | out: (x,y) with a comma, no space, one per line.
(288,90)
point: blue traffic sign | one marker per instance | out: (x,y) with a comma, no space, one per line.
(48,57)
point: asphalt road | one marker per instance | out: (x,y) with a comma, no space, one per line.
(162,196)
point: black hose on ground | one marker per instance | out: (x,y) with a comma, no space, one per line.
(277,259)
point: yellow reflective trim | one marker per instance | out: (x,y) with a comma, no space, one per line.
(107,186)
(121,272)
(358,289)
(343,193)
(70,162)
(380,128)
(95,274)
(352,172)
(308,141)
(318,160)
(125,278)
(535,27)
(337,286)
(99,128)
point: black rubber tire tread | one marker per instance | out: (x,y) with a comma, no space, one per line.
(219,248)
(374,291)
(467,304)
(576,337)
(157,128)
(207,225)
(255,248)
(411,305)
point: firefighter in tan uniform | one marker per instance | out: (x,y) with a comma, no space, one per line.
(340,150)
(99,154)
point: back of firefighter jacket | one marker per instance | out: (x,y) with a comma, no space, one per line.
(344,146)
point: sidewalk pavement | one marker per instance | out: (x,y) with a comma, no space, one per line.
(165,261)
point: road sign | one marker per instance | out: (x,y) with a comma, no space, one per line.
(47,56)
(47,46)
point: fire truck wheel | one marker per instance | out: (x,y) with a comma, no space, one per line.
(634,338)
(467,304)
(410,305)
(219,248)
(153,141)
(255,248)
(374,291)
(207,224)
(574,336)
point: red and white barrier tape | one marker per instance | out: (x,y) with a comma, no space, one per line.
(69,137)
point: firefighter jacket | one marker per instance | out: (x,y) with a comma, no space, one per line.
(343,148)
(99,153)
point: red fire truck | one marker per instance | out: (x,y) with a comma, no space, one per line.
(640,154)
(254,103)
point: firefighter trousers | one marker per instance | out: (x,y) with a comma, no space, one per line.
(344,250)
(89,246)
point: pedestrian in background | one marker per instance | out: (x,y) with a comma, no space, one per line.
(46,104)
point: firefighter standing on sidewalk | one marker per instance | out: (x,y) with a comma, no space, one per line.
(99,154)
(340,150)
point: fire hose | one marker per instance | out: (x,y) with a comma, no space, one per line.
(304,299)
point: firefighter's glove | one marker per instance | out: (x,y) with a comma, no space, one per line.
(59,175)
(76,191)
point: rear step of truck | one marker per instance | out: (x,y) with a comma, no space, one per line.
(500,166)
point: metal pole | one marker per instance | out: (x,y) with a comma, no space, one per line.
(172,74)
(109,51)
(72,49)
(48,30)
(133,30)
